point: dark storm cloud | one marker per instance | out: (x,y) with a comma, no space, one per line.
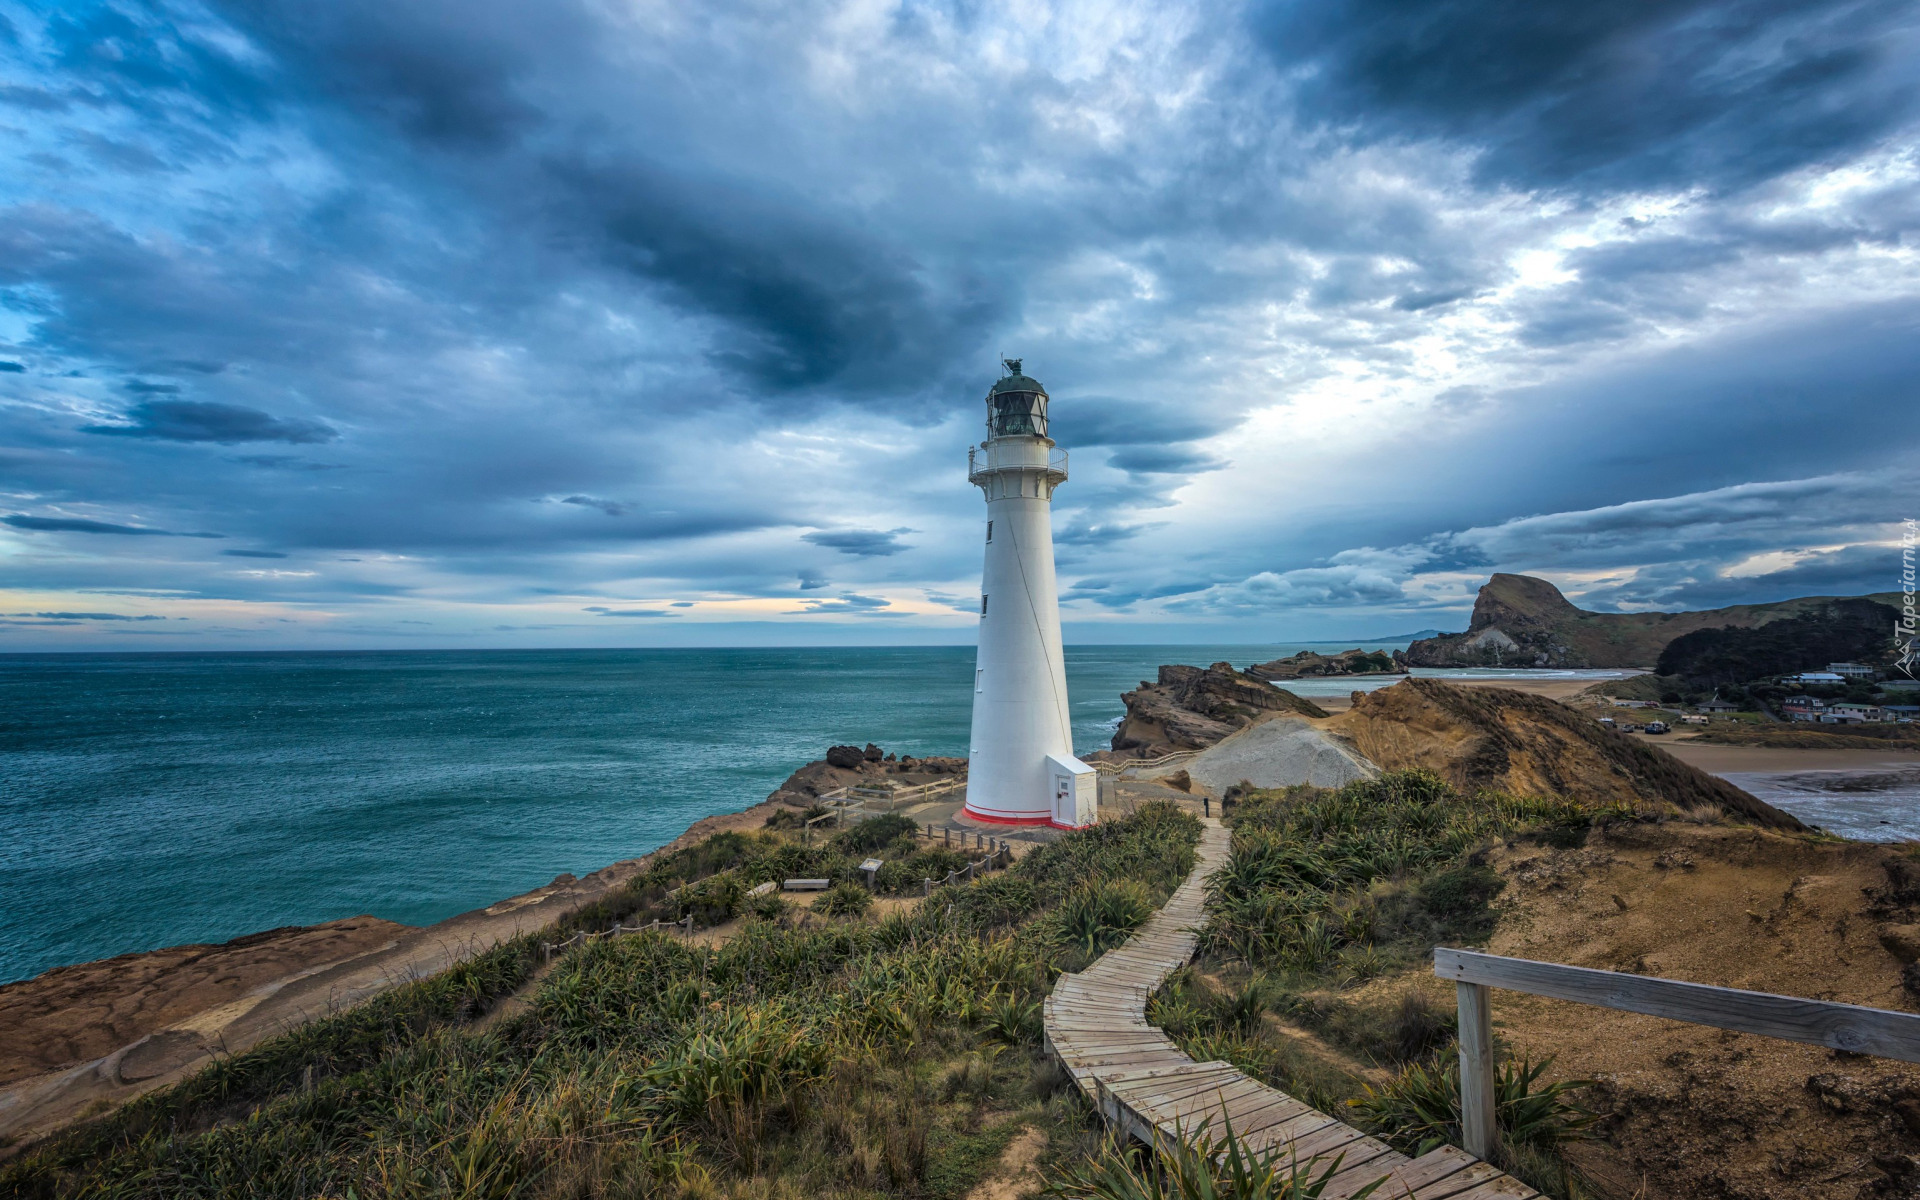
(253,553)
(81,525)
(612,508)
(209,421)
(1641,93)
(1163,460)
(1113,421)
(812,580)
(11,367)
(863,543)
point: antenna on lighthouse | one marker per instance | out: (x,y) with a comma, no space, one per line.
(1021,768)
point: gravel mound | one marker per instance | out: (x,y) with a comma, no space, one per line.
(1278,753)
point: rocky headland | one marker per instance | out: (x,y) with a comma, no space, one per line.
(1523,621)
(1308,664)
(1188,708)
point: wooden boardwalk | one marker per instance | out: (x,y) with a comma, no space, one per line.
(1096,1024)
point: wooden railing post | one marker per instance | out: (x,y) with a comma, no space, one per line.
(1476,1070)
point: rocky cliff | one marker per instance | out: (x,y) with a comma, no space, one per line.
(1521,621)
(1188,708)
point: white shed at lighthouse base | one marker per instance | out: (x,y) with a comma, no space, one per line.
(1076,792)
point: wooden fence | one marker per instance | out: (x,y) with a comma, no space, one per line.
(1849,1027)
(1121,766)
(547,948)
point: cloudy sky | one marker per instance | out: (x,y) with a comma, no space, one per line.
(623,322)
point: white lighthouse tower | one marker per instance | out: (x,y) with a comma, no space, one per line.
(1021,768)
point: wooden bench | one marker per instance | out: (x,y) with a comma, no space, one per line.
(807,885)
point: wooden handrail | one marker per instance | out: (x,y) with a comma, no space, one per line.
(1123,765)
(1850,1027)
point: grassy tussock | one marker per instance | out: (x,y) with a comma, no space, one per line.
(795,1059)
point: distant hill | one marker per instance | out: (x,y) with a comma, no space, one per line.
(1521,621)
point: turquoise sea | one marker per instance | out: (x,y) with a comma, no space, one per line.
(153,799)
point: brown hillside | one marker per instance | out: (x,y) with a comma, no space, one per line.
(1528,745)
(1520,620)
(1689,1111)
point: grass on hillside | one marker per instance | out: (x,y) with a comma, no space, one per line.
(1328,890)
(838,1056)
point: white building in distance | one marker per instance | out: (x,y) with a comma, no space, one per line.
(1021,768)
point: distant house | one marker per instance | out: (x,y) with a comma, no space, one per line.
(1866,712)
(1809,703)
(1850,670)
(1717,705)
(1901,685)
(1827,677)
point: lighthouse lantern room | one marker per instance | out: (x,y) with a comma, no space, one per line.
(1021,768)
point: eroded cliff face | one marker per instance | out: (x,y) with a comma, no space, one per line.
(1521,621)
(1530,746)
(1189,708)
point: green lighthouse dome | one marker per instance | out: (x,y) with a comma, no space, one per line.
(1016,405)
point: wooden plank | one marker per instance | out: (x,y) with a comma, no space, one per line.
(1422,1172)
(1504,1188)
(1116,1078)
(1849,1027)
(1358,1164)
(1329,1139)
(1185,1099)
(1128,1083)
(1269,1115)
(1464,1182)
(1293,1128)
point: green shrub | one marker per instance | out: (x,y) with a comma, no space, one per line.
(874,833)
(1101,914)
(1420,1109)
(1203,1166)
(845,900)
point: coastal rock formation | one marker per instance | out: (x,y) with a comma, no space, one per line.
(852,766)
(1522,621)
(1528,745)
(1308,664)
(1188,708)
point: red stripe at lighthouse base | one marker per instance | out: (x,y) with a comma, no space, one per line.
(998,819)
